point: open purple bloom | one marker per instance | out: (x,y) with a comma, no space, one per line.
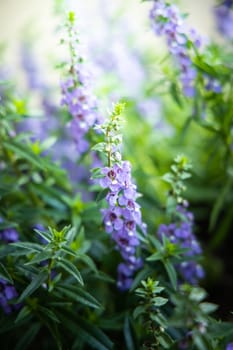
(122,217)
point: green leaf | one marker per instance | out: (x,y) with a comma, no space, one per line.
(129,334)
(48,313)
(219,204)
(88,261)
(27,337)
(171,273)
(24,313)
(175,94)
(78,295)
(24,152)
(53,330)
(159,318)
(138,311)
(45,235)
(70,268)
(46,254)
(6,224)
(32,247)
(197,294)
(99,147)
(86,332)
(165,340)
(5,274)
(69,251)
(94,337)
(102,195)
(200,342)
(154,257)
(36,282)
(159,301)
(221,329)
(208,308)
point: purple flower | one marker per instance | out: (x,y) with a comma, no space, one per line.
(229,346)
(181,232)
(7,293)
(122,217)
(125,272)
(9,235)
(167,21)
(79,99)
(224,19)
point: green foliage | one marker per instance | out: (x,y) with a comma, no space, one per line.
(112,136)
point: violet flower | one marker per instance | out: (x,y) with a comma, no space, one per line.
(77,95)
(224,18)
(122,217)
(7,293)
(181,232)
(229,346)
(9,235)
(167,21)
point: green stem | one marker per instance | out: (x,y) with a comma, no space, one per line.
(109,150)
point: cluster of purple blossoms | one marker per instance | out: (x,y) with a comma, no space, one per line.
(77,94)
(7,293)
(224,18)
(167,20)
(122,217)
(181,233)
(82,106)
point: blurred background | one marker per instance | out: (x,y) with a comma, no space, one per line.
(30,20)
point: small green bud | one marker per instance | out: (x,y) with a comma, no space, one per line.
(71,17)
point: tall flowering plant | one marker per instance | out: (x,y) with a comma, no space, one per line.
(76,91)
(123,216)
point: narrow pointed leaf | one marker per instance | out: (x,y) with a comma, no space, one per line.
(47,254)
(24,312)
(5,274)
(26,338)
(71,269)
(34,285)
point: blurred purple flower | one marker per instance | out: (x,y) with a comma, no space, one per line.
(7,293)
(77,95)
(224,18)
(229,346)
(181,233)
(8,235)
(166,20)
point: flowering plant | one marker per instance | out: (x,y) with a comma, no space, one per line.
(112,224)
